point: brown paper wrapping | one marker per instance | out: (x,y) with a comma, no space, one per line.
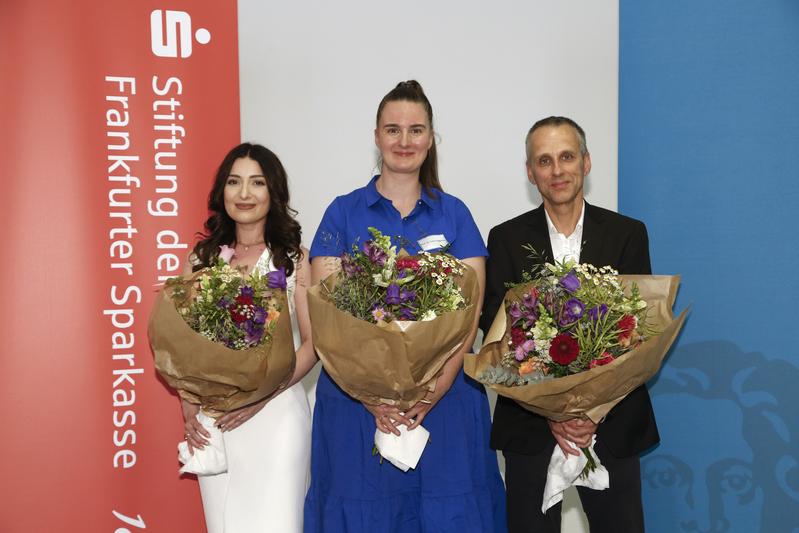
(208,373)
(393,363)
(595,392)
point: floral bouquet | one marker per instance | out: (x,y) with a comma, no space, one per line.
(386,323)
(222,339)
(573,340)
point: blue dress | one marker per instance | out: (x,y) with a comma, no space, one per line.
(456,486)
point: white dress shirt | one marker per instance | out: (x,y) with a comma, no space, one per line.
(563,247)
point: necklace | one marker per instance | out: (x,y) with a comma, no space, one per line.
(247,246)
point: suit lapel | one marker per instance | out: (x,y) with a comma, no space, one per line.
(593,236)
(538,234)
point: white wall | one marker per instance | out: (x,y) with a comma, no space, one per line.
(313,72)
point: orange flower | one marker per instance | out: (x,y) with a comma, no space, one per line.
(526,367)
(272,315)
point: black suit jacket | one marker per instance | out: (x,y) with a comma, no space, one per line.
(608,239)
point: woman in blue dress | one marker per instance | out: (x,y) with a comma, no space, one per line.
(456,486)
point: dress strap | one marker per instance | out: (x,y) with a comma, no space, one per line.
(265,264)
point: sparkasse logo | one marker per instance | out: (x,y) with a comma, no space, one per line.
(171,35)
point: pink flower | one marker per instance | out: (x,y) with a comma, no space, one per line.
(523,349)
(226,253)
(378,313)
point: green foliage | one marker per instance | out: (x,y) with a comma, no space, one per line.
(225,306)
(378,285)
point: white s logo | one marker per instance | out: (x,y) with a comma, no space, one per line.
(165,31)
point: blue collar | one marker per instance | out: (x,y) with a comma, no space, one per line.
(373,196)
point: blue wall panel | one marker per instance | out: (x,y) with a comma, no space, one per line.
(709,159)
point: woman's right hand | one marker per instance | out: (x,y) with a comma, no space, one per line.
(387,417)
(196,435)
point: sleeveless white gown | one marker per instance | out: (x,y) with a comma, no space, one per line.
(268,459)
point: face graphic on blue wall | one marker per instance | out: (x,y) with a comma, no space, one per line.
(701,477)
(728,461)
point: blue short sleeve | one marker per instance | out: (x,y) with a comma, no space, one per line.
(435,221)
(330,239)
(469,242)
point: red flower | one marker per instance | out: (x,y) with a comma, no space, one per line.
(236,315)
(408,263)
(517,336)
(244,300)
(564,349)
(602,360)
(626,326)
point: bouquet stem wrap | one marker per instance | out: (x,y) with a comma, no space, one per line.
(208,373)
(393,363)
(595,392)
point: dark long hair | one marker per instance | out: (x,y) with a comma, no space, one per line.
(282,232)
(411,91)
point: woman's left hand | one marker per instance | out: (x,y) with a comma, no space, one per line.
(423,406)
(233,419)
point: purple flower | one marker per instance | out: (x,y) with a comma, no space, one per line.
(223,302)
(598,312)
(259,315)
(515,311)
(406,313)
(407,295)
(573,309)
(570,282)
(276,279)
(375,254)
(350,266)
(254,336)
(393,294)
(247,291)
(529,301)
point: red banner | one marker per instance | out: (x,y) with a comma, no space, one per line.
(114,117)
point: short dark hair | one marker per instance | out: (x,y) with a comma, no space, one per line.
(556,121)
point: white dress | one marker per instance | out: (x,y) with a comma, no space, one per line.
(268,459)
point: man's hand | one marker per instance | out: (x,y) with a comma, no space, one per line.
(577,430)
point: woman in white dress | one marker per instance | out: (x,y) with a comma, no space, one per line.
(267,443)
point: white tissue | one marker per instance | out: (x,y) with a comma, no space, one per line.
(211,459)
(563,472)
(402,451)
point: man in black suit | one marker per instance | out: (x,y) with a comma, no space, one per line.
(565,226)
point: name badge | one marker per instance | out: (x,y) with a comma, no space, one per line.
(433,242)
